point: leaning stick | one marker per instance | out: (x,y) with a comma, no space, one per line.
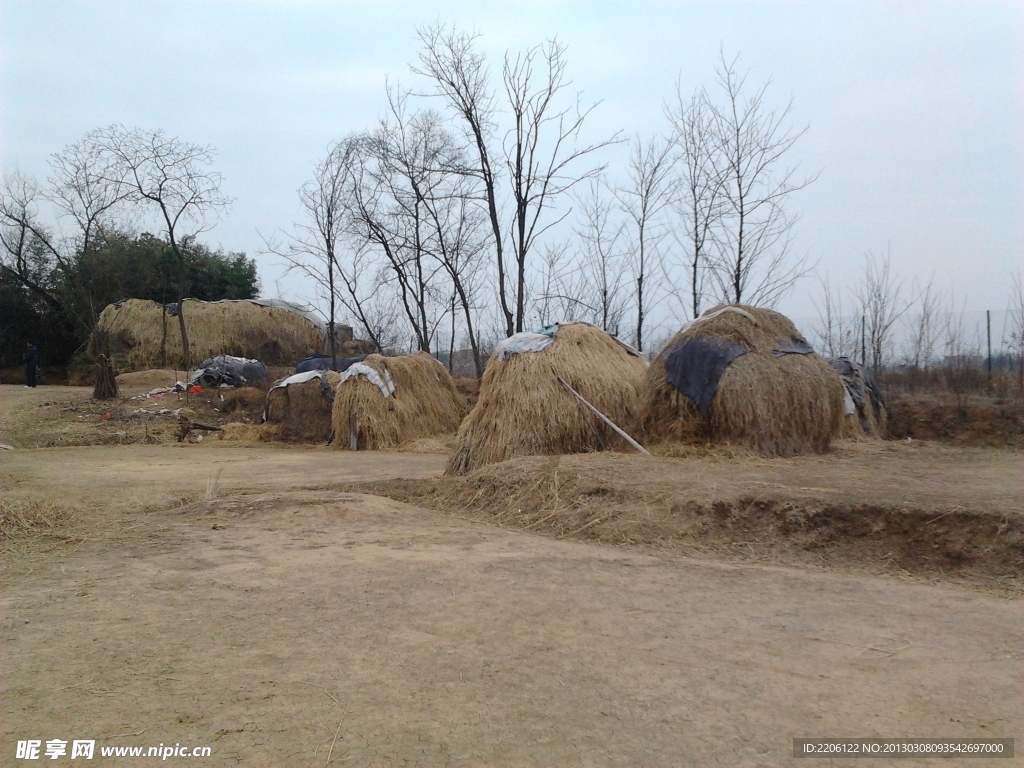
(604,418)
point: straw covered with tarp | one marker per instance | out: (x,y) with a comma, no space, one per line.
(864,412)
(299,407)
(141,334)
(742,375)
(383,402)
(524,409)
(225,371)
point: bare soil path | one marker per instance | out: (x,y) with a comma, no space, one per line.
(212,595)
(263,626)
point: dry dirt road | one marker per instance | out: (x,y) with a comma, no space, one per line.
(283,626)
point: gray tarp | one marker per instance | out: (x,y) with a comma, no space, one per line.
(225,370)
(859,383)
(323,363)
(695,366)
(794,345)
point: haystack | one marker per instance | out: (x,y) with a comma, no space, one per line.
(138,334)
(524,410)
(385,401)
(299,407)
(864,413)
(742,375)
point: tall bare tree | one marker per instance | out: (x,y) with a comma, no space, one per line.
(449,58)
(753,259)
(171,180)
(698,202)
(539,151)
(601,260)
(314,247)
(647,195)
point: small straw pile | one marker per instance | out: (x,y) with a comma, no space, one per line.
(869,418)
(301,413)
(425,403)
(523,410)
(777,406)
(106,384)
(140,335)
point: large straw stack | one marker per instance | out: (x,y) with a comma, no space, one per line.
(301,412)
(424,403)
(140,335)
(776,405)
(523,410)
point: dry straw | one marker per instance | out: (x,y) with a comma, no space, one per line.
(777,406)
(523,409)
(425,403)
(301,413)
(140,335)
(870,418)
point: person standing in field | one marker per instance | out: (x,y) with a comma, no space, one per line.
(31,362)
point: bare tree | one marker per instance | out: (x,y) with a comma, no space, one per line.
(753,234)
(539,152)
(30,252)
(699,201)
(644,199)
(838,331)
(170,179)
(449,59)
(601,261)
(880,296)
(314,247)
(924,331)
(81,189)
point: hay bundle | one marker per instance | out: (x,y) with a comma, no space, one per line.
(106,384)
(523,410)
(423,403)
(299,407)
(141,335)
(770,398)
(865,414)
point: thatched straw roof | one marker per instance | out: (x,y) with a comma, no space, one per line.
(422,402)
(523,410)
(299,408)
(138,338)
(769,398)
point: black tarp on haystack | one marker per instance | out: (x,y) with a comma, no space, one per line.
(228,371)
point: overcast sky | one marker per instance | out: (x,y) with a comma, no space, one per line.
(913,109)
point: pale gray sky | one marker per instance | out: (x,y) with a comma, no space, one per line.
(913,108)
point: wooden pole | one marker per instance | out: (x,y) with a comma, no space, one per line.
(604,418)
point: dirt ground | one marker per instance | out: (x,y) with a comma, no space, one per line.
(236,597)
